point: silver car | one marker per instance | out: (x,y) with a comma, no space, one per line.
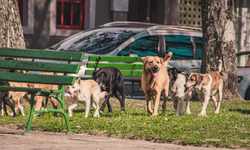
(138,39)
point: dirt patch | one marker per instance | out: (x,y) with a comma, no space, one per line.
(14,139)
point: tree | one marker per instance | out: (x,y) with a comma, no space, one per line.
(11,31)
(218,24)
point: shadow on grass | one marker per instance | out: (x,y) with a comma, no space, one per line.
(243,111)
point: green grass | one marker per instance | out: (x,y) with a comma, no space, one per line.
(230,128)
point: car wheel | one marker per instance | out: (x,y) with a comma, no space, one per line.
(247,95)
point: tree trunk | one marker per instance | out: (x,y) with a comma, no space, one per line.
(219,43)
(11,31)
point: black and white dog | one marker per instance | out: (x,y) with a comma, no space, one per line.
(111,78)
(178,79)
(4,95)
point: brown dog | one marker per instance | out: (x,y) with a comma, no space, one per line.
(16,96)
(207,85)
(155,81)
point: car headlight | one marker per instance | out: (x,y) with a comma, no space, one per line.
(240,78)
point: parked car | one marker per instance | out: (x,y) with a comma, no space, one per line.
(138,39)
(243,72)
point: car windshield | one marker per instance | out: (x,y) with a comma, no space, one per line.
(98,41)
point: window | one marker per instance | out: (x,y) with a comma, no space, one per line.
(98,41)
(180,46)
(146,46)
(198,42)
(69,14)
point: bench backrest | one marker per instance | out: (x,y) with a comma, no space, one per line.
(40,66)
(129,66)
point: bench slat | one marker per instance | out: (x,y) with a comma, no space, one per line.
(39,66)
(124,72)
(26,89)
(115,58)
(42,54)
(37,78)
(117,65)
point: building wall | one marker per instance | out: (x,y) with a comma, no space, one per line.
(103,12)
(41,37)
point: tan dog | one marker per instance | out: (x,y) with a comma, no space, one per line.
(16,96)
(155,81)
(86,91)
(207,85)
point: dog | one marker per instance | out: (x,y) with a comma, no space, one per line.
(177,92)
(155,80)
(86,91)
(111,78)
(16,96)
(207,85)
(4,95)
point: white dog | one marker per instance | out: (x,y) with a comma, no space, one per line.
(178,79)
(207,85)
(86,91)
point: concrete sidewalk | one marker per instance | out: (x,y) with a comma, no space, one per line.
(11,139)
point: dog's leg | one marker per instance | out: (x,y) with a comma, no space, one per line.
(215,102)
(188,97)
(219,100)
(20,107)
(72,106)
(7,101)
(87,108)
(95,104)
(180,110)
(175,103)
(148,103)
(106,102)
(122,101)
(2,110)
(204,104)
(54,103)
(39,100)
(156,104)
(5,110)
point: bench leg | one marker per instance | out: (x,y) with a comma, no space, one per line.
(62,101)
(31,114)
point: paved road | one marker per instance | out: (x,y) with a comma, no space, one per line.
(11,139)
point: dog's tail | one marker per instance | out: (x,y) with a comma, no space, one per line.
(167,58)
(219,66)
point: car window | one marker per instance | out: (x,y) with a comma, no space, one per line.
(146,46)
(180,46)
(98,41)
(198,42)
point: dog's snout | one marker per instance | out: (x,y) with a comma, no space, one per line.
(185,85)
(156,68)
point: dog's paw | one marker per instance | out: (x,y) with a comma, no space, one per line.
(202,114)
(154,114)
(123,109)
(216,112)
(101,111)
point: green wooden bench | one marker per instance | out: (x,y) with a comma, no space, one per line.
(65,58)
(130,67)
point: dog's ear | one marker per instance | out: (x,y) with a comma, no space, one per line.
(161,59)
(144,59)
(175,73)
(199,78)
(78,81)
